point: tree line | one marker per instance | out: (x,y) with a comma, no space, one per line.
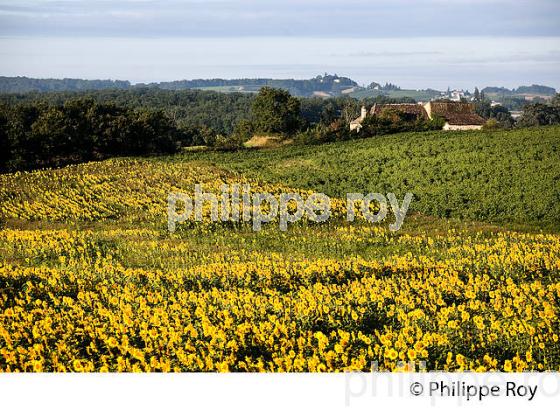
(53,129)
(541,114)
(37,135)
(332,84)
(188,108)
(193,109)
(25,84)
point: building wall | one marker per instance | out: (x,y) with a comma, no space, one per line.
(449,127)
(357,123)
(355,126)
(428,108)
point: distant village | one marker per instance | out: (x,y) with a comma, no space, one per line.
(461,95)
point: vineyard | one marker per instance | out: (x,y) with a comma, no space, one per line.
(91,280)
(508,177)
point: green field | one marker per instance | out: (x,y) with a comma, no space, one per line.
(230,89)
(418,95)
(510,177)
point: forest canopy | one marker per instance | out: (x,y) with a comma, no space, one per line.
(57,128)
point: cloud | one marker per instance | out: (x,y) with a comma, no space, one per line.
(409,62)
(389,54)
(320,18)
(410,42)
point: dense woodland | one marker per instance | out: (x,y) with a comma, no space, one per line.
(188,108)
(331,84)
(219,112)
(25,84)
(56,128)
(36,135)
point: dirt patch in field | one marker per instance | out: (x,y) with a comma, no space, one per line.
(267,141)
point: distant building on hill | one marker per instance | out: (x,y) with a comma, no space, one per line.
(454,95)
(457,115)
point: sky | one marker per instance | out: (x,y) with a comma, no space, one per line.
(413,43)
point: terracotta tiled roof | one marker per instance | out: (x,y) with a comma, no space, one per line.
(456,113)
(415,109)
(464,119)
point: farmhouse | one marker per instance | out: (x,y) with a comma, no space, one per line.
(457,115)
(411,110)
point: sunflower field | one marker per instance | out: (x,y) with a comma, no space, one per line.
(91,280)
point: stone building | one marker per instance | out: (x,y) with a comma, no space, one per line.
(457,115)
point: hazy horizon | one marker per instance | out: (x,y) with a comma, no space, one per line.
(414,44)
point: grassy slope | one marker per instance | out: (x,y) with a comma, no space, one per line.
(110,200)
(506,177)
(421,95)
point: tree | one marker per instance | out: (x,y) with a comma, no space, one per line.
(555,102)
(51,138)
(390,87)
(539,114)
(321,133)
(244,130)
(34,135)
(155,133)
(350,110)
(329,113)
(476,94)
(206,136)
(391,121)
(5,143)
(276,111)
(491,124)
(500,113)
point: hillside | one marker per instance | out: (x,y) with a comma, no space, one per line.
(92,280)
(516,98)
(25,84)
(322,85)
(505,177)
(534,89)
(418,95)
